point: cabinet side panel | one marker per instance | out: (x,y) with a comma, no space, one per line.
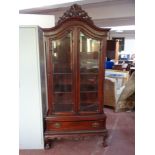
(43,76)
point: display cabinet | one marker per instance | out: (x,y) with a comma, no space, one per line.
(75,53)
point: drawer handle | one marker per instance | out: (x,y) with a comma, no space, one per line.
(95,124)
(57,125)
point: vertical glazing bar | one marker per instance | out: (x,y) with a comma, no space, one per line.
(76,68)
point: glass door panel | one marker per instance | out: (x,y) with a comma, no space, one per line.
(62,74)
(89,70)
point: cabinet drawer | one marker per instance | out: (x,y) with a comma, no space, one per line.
(76,125)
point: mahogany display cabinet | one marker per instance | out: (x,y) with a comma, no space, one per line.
(75,53)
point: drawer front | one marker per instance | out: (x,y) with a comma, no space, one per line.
(76,125)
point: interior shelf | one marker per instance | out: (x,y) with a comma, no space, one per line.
(88,91)
(63,107)
(62,73)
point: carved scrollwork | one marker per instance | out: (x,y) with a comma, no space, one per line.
(75,11)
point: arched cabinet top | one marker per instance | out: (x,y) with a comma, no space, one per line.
(75,18)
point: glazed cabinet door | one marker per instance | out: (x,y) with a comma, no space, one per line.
(89,60)
(61,52)
(75,73)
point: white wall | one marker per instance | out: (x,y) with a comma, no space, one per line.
(129,40)
(129,45)
(31,126)
(32,89)
(44,21)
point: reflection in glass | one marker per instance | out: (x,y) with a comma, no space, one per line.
(89,67)
(61,55)
(62,82)
(89,101)
(62,74)
(89,54)
(88,82)
(62,102)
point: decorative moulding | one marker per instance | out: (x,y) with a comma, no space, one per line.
(75,11)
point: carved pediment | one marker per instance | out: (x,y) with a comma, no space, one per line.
(75,11)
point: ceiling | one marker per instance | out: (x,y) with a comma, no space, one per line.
(105,13)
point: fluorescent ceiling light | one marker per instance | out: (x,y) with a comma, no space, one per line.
(122,28)
(27,4)
(119,31)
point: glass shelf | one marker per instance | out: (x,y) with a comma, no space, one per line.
(88,73)
(89,107)
(62,73)
(88,87)
(62,88)
(58,92)
(63,107)
(88,91)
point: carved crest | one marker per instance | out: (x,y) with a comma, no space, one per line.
(75,11)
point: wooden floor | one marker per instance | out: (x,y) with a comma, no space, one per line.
(121,140)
